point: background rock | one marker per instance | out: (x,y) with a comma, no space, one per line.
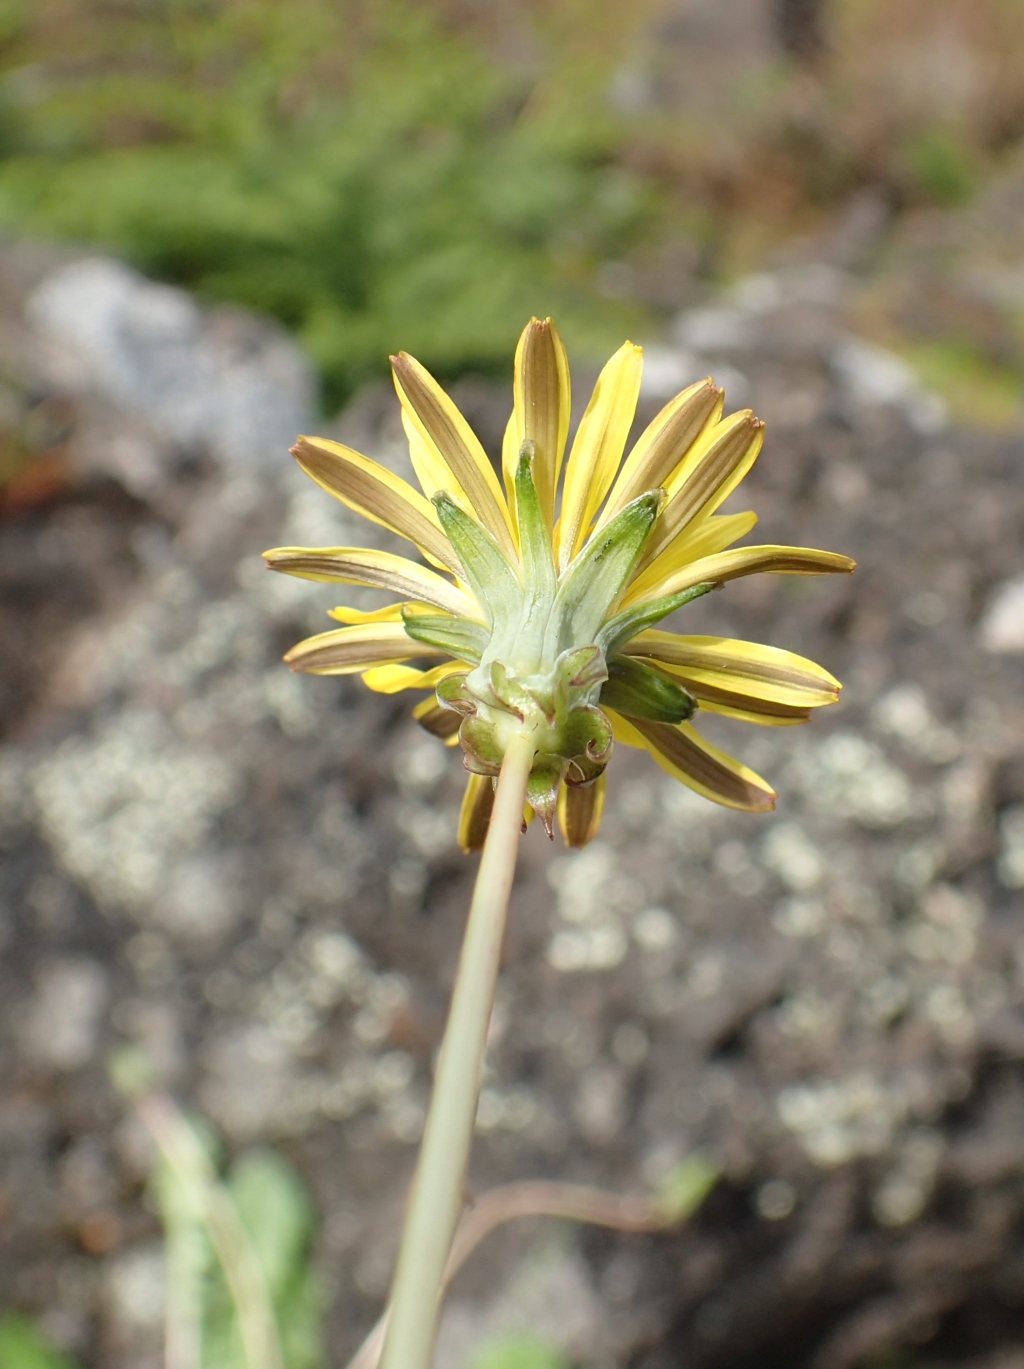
(254,875)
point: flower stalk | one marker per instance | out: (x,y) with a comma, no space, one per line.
(437,1193)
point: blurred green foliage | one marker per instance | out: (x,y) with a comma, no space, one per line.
(979,391)
(23,1347)
(686,1185)
(520,1351)
(278,1215)
(364,172)
(425,174)
(278,1218)
(940,167)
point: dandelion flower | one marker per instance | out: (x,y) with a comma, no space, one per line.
(539,607)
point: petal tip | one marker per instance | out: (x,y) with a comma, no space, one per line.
(301,446)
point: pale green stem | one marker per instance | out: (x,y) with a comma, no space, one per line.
(437,1191)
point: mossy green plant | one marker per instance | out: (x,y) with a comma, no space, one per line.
(373,179)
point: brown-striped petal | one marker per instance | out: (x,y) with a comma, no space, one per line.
(729,565)
(440,722)
(708,479)
(664,443)
(348,650)
(542,403)
(749,668)
(440,424)
(756,711)
(687,756)
(377,493)
(381,569)
(579,810)
(475,816)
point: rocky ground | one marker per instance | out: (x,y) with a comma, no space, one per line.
(254,877)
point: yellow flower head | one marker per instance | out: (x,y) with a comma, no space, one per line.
(541,611)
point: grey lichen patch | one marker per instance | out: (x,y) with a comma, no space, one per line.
(119,808)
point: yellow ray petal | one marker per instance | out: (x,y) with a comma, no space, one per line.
(509,465)
(729,430)
(623,730)
(348,650)
(475,817)
(729,565)
(597,448)
(625,733)
(736,702)
(760,672)
(687,756)
(663,444)
(774,715)
(456,447)
(392,679)
(579,810)
(352,617)
(705,536)
(390,613)
(377,493)
(542,404)
(381,569)
(431,469)
(705,479)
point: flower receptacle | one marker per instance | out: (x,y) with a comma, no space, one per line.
(557,711)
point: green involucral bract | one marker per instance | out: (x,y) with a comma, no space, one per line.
(458,637)
(541,665)
(641,691)
(622,626)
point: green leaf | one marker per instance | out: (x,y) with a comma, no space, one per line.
(519,1350)
(641,691)
(276,1211)
(595,580)
(490,573)
(624,626)
(461,637)
(22,1346)
(278,1215)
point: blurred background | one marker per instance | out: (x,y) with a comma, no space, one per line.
(241,889)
